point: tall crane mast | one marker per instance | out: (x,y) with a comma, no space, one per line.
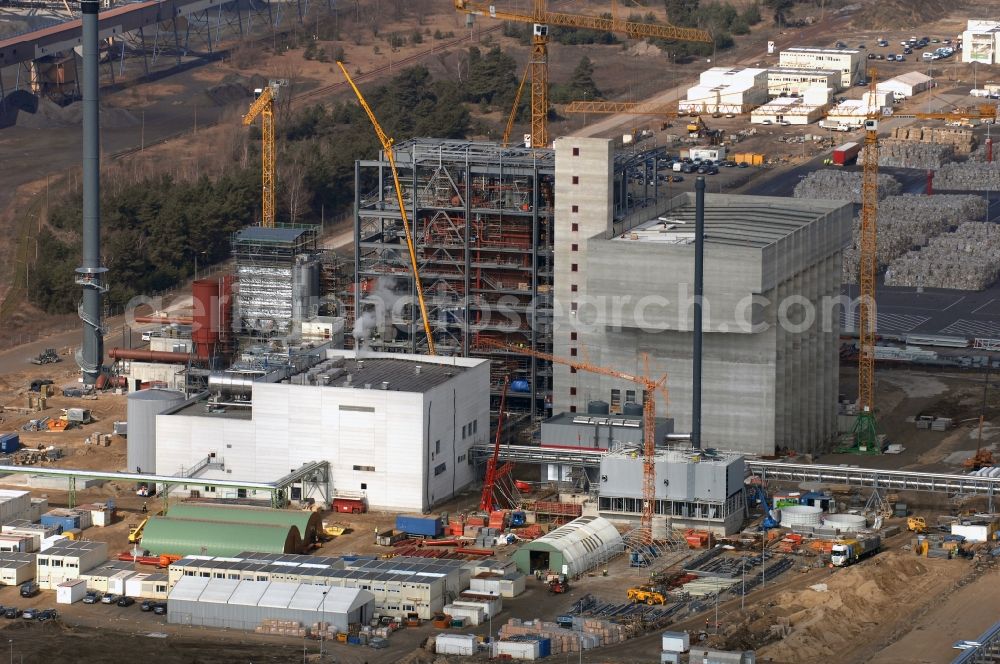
(541,19)
(648,419)
(387,144)
(263,106)
(865,428)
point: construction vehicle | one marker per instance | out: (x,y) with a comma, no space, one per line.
(497,487)
(558,585)
(758,496)
(916,524)
(47,356)
(263,106)
(697,128)
(387,144)
(849,551)
(135,530)
(540,19)
(983,458)
(646,595)
(334,530)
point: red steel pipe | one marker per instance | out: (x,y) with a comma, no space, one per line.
(164,320)
(148,355)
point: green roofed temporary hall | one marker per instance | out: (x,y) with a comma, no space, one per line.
(185,537)
(308,523)
(580,545)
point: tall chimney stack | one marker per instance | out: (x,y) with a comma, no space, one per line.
(699,294)
(90,357)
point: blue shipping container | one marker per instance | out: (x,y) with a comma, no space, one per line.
(10,443)
(544,647)
(62,522)
(428,526)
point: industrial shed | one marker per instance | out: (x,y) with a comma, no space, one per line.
(308,523)
(579,545)
(16,568)
(183,537)
(246,604)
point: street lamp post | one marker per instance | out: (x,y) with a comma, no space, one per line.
(322,619)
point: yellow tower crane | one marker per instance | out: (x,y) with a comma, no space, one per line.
(387,144)
(541,19)
(263,106)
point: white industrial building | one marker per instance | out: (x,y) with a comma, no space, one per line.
(789,81)
(848,62)
(793,110)
(906,85)
(16,568)
(624,292)
(68,559)
(396,428)
(726,90)
(981,41)
(246,604)
(851,113)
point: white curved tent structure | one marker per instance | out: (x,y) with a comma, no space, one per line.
(580,545)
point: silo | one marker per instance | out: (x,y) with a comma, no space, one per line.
(143,407)
(632,408)
(801,515)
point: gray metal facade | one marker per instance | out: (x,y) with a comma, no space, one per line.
(143,407)
(598,431)
(624,290)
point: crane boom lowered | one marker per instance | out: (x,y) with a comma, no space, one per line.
(387,144)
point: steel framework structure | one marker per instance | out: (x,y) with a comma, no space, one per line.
(482,223)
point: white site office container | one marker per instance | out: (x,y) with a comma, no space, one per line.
(492,601)
(475,615)
(69,592)
(116,582)
(133,585)
(519,649)
(676,641)
(455,644)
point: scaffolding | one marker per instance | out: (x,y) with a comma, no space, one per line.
(278,277)
(482,220)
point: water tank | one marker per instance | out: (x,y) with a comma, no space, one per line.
(849,522)
(801,515)
(520,385)
(632,408)
(143,407)
(598,408)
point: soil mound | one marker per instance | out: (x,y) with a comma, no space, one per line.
(896,14)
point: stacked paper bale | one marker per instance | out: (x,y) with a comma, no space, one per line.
(909,221)
(840,185)
(281,628)
(587,632)
(968,176)
(968,259)
(909,154)
(961,140)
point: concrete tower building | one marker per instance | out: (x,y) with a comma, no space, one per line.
(624,290)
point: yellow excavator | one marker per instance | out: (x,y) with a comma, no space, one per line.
(916,524)
(646,595)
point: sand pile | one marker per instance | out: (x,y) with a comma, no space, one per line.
(883,590)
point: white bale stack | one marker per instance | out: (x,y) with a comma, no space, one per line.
(836,185)
(908,154)
(968,176)
(968,259)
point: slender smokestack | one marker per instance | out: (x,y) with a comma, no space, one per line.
(699,293)
(89,276)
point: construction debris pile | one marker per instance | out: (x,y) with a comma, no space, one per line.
(969,176)
(836,185)
(962,141)
(587,633)
(907,154)
(910,221)
(968,259)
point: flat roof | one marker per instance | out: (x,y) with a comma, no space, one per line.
(730,219)
(401,375)
(261,234)
(799,71)
(825,51)
(603,420)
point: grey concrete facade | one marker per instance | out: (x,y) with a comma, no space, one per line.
(771,291)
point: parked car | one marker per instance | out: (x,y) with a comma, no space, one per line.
(743,164)
(883,42)
(110,598)
(126,601)
(160,608)
(840,44)
(12,612)
(871,56)
(890,57)
(677,178)
(30,614)
(47,614)
(147,605)
(29,589)
(92,597)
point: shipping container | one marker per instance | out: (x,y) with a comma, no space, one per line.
(475,615)
(426,526)
(676,641)
(10,443)
(528,649)
(455,644)
(846,153)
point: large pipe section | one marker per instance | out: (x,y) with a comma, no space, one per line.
(148,355)
(699,293)
(90,357)
(233,384)
(164,320)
